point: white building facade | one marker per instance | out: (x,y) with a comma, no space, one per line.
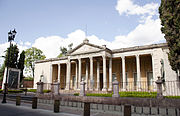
(135,68)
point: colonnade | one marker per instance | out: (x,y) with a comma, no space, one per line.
(90,86)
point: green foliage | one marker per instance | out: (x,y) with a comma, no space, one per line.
(99,94)
(28,79)
(173,97)
(31,90)
(124,94)
(76,94)
(34,90)
(2,72)
(138,94)
(21,64)
(46,91)
(31,55)
(12,53)
(170,20)
(12,91)
(64,50)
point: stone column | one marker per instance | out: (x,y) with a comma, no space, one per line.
(79,73)
(123,73)
(76,83)
(159,87)
(98,79)
(138,72)
(68,75)
(104,74)
(51,73)
(59,72)
(82,88)
(115,88)
(110,74)
(153,70)
(55,88)
(39,87)
(91,74)
(86,75)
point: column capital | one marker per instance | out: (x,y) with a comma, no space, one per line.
(79,59)
(137,55)
(104,56)
(122,57)
(91,57)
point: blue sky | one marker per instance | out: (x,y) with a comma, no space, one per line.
(111,22)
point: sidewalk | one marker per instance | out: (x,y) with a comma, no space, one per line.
(9,109)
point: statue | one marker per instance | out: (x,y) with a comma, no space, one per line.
(162,71)
(163,74)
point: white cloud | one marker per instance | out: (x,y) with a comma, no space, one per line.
(27,43)
(4,46)
(129,8)
(147,33)
(51,45)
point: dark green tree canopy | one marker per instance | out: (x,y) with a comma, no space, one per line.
(13,56)
(13,62)
(170,20)
(31,55)
(64,50)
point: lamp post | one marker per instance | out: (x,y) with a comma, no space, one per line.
(11,36)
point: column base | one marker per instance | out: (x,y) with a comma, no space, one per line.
(110,89)
(104,89)
(97,89)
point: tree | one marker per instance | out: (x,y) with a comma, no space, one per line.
(31,55)
(170,20)
(2,71)
(64,50)
(13,60)
(21,64)
(13,56)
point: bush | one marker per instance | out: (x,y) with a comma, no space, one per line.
(34,90)
(46,91)
(138,94)
(123,94)
(76,94)
(174,97)
(31,90)
(28,79)
(12,91)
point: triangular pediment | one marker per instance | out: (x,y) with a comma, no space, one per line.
(85,48)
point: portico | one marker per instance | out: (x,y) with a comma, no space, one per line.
(98,66)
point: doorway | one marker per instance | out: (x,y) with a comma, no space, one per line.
(101,81)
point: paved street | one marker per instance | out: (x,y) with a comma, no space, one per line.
(13,110)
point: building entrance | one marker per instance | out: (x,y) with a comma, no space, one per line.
(101,81)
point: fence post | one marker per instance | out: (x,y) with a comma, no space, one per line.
(159,87)
(82,89)
(127,110)
(55,88)
(115,88)
(40,87)
(86,111)
(34,103)
(18,100)
(56,106)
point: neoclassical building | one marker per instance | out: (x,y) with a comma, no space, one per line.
(134,67)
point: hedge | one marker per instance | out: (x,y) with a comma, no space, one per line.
(123,94)
(12,91)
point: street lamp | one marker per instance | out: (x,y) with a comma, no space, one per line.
(11,36)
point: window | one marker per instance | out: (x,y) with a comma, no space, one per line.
(135,78)
(149,78)
(113,76)
(74,80)
(126,78)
